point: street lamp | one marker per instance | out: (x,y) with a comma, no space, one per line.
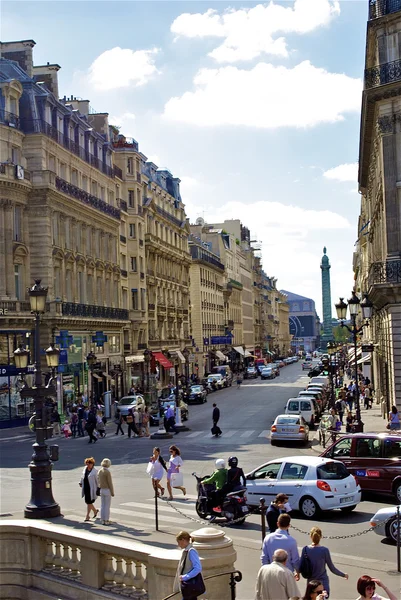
(355,305)
(42,504)
(147,357)
(330,350)
(186,354)
(91,360)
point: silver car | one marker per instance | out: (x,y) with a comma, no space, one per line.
(128,402)
(289,428)
(384,522)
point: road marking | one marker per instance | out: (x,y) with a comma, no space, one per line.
(18,438)
(134,513)
(265,433)
(230,433)
(247,433)
(194,434)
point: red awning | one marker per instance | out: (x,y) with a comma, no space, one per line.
(162,360)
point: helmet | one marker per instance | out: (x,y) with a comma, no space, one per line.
(220,463)
(233,461)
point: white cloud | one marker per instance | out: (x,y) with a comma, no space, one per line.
(249,32)
(188,182)
(267,97)
(345,172)
(122,67)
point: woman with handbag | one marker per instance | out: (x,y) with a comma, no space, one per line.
(89,484)
(156,468)
(393,419)
(174,477)
(188,578)
(315,558)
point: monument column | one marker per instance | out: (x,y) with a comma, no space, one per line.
(326,300)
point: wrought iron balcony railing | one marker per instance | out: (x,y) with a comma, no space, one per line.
(10,119)
(388,272)
(122,205)
(203,255)
(380,8)
(86,198)
(89,310)
(383,74)
(117,172)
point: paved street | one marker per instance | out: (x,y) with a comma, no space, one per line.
(246,416)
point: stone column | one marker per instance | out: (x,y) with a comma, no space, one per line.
(3,290)
(9,259)
(386,125)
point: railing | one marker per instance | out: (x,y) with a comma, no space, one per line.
(86,198)
(235,577)
(383,74)
(201,254)
(380,8)
(126,143)
(117,172)
(388,271)
(90,310)
(122,205)
(169,217)
(10,119)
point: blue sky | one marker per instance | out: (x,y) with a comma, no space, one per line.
(255,106)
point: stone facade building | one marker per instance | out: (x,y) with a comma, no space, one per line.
(377,258)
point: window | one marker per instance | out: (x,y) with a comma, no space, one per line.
(134,267)
(132,230)
(78,237)
(102,193)
(84,183)
(68,285)
(294,471)
(111,198)
(74,177)
(131,198)
(130,166)
(17,223)
(52,163)
(55,228)
(392,448)
(94,188)
(332,470)
(114,344)
(89,289)
(134,299)
(269,471)
(67,234)
(81,291)
(62,170)
(143,299)
(368,447)
(15,155)
(99,290)
(18,282)
(57,282)
(125,298)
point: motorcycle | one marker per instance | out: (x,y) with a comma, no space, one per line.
(233,508)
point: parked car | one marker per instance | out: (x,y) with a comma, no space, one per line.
(289,428)
(384,522)
(217,378)
(373,458)
(226,373)
(312,484)
(317,396)
(251,373)
(197,394)
(323,379)
(305,407)
(281,364)
(306,366)
(267,373)
(127,402)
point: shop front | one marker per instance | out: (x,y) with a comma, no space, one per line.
(14,411)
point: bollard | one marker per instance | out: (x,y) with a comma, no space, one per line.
(398,541)
(156,511)
(263,517)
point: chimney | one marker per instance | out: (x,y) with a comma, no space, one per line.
(48,75)
(21,52)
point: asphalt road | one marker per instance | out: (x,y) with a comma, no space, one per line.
(246,416)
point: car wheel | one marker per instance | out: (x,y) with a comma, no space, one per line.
(397,491)
(348,509)
(306,441)
(309,507)
(391,529)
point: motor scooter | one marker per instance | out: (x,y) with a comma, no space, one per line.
(233,508)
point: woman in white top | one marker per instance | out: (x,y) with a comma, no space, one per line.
(394,418)
(159,466)
(174,467)
(366,586)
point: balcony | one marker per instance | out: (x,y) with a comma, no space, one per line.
(123,239)
(72,309)
(387,272)
(86,198)
(10,119)
(381,8)
(122,205)
(163,213)
(202,255)
(126,144)
(117,172)
(383,74)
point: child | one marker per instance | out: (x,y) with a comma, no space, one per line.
(66,429)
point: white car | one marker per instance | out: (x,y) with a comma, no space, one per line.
(312,484)
(217,378)
(128,402)
(385,522)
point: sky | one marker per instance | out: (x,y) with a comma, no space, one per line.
(254,106)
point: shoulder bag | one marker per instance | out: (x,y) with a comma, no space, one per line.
(305,566)
(194,587)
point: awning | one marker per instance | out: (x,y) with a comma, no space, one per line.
(363,359)
(96,376)
(220,355)
(162,360)
(180,356)
(135,359)
(239,349)
(106,375)
(352,358)
(247,353)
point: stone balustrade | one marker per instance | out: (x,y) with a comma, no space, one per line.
(66,563)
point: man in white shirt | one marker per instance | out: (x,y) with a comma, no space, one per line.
(275,581)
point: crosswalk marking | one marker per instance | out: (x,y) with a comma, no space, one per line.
(247,433)
(230,433)
(194,434)
(134,513)
(264,434)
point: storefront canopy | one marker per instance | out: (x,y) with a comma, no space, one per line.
(239,349)
(162,360)
(351,358)
(363,359)
(180,356)
(247,354)
(135,359)
(220,355)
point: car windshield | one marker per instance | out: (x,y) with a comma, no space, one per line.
(196,389)
(305,405)
(293,405)
(392,448)
(128,400)
(287,421)
(332,470)
(215,376)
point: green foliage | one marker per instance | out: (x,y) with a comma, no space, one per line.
(341,334)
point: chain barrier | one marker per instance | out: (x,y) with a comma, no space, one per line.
(233,522)
(342,537)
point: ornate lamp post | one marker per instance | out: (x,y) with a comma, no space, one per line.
(186,353)
(147,358)
(42,504)
(91,360)
(354,305)
(330,351)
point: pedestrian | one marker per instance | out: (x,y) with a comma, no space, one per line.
(170,419)
(55,420)
(156,469)
(349,422)
(137,424)
(239,381)
(393,419)
(89,484)
(216,431)
(131,424)
(281,538)
(145,421)
(100,425)
(91,425)
(81,418)
(275,581)
(106,490)
(276,508)
(66,429)
(341,407)
(319,557)
(314,590)
(366,587)
(118,420)
(74,423)
(367,397)
(189,569)
(175,463)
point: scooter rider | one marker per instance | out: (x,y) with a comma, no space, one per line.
(235,476)
(219,478)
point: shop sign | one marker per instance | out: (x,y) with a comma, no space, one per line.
(3,311)
(220,339)
(368,347)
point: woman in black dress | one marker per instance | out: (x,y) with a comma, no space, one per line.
(89,484)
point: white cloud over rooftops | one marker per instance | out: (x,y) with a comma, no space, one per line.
(345,172)
(122,67)
(248,33)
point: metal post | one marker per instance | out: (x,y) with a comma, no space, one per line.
(358,408)
(263,517)
(398,540)
(156,511)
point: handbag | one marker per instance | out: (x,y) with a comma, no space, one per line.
(150,469)
(305,567)
(194,587)
(98,491)
(388,426)
(177,480)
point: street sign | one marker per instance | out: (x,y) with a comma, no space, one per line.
(368,347)
(191,358)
